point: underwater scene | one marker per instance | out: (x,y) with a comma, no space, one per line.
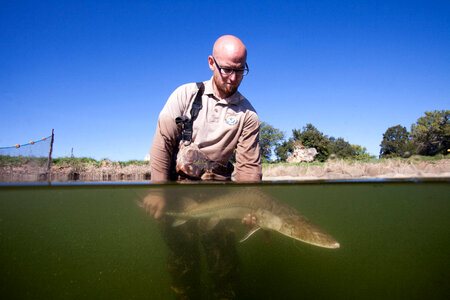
(318,240)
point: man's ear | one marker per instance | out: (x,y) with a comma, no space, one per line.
(211,62)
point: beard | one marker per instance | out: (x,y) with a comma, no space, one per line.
(226,89)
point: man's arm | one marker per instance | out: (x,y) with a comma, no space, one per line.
(166,134)
(248,156)
(161,153)
(162,149)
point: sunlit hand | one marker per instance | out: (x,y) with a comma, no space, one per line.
(154,204)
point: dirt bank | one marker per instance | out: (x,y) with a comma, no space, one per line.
(113,171)
(389,169)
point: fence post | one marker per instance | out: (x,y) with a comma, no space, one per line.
(50,155)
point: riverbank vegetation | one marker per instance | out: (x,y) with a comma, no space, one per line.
(6,160)
(88,169)
(81,161)
(412,167)
(429,136)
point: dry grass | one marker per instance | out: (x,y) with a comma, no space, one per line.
(340,169)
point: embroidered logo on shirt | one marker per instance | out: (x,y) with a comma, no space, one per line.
(231,120)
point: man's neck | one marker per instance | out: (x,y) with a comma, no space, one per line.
(217,93)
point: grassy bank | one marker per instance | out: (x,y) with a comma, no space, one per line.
(6,160)
(413,167)
(88,169)
(86,160)
(412,159)
(83,161)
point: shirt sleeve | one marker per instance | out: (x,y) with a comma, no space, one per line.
(162,147)
(248,157)
(164,141)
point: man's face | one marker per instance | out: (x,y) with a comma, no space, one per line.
(227,85)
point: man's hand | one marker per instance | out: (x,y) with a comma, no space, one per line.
(249,221)
(154,205)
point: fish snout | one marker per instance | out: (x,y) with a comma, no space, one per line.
(335,245)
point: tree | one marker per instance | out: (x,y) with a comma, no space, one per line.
(341,148)
(396,142)
(360,153)
(283,150)
(311,137)
(431,133)
(269,139)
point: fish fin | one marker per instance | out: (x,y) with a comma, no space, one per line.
(178,222)
(252,231)
(212,223)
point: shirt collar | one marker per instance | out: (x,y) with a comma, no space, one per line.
(233,99)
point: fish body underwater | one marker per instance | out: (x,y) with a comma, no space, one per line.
(270,215)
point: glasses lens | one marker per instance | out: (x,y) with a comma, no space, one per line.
(226,71)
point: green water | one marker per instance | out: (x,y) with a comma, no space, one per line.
(94,242)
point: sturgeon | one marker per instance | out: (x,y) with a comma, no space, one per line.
(270,215)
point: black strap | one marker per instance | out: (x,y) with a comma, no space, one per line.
(186,134)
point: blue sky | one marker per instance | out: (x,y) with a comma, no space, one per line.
(99,72)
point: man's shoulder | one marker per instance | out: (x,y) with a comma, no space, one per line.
(245,104)
(187,88)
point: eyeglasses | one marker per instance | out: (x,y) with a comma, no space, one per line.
(229,71)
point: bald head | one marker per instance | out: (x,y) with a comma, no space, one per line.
(229,47)
(228,53)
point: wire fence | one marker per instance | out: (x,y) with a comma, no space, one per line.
(26,162)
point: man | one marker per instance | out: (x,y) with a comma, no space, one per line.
(226,122)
